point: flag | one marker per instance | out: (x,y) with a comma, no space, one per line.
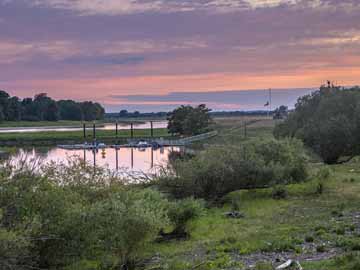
(267,104)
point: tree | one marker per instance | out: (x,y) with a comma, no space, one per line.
(123,113)
(188,120)
(327,121)
(3,104)
(281,112)
(69,110)
(92,111)
(46,108)
(29,112)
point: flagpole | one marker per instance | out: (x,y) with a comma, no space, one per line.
(270,107)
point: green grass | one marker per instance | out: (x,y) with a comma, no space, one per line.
(277,225)
(272,225)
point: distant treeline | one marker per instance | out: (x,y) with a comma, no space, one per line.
(44,108)
(137,114)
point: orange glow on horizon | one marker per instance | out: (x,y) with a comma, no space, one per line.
(102,89)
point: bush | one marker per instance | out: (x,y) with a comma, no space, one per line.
(309,239)
(181,212)
(84,220)
(279,192)
(350,261)
(327,121)
(256,164)
(125,222)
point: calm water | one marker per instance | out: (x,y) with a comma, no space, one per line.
(131,160)
(144,125)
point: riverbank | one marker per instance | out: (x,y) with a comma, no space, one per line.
(49,138)
(316,222)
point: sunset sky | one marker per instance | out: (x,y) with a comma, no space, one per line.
(152,55)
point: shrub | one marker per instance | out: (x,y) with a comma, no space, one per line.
(220,170)
(279,192)
(124,223)
(327,121)
(350,261)
(181,212)
(321,248)
(309,239)
(81,221)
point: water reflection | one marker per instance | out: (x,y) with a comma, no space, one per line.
(146,160)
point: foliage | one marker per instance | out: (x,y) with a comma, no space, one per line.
(219,170)
(187,120)
(279,192)
(50,223)
(327,121)
(126,221)
(181,212)
(281,112)
(44,108)
(14,249)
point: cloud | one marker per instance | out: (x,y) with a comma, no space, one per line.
(105,60)
(124,7)
(121,7)
(101,52)
(11,51)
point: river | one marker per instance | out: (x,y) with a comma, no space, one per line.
(111,126)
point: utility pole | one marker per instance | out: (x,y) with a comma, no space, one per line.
(270,102)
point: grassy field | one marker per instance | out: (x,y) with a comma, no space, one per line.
(318,223)
(53,137)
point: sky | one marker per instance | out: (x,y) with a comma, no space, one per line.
(154,55)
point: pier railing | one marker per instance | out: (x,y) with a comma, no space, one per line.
(188,140)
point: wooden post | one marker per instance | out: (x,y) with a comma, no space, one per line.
(132,130)
(152,157)
(117,158)
(94,131)
(116,129)
(152,129)
(132,158)
(84,130)
(94,155)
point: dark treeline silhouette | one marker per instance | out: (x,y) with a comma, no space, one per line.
(44,108)
(137,114)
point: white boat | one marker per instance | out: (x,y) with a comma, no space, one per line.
(82,146)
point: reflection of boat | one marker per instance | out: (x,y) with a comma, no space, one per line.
(83,146)
(103,153)
(139,144)
(143,144)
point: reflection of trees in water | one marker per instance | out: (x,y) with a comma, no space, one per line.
(179,156)
(42,152)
